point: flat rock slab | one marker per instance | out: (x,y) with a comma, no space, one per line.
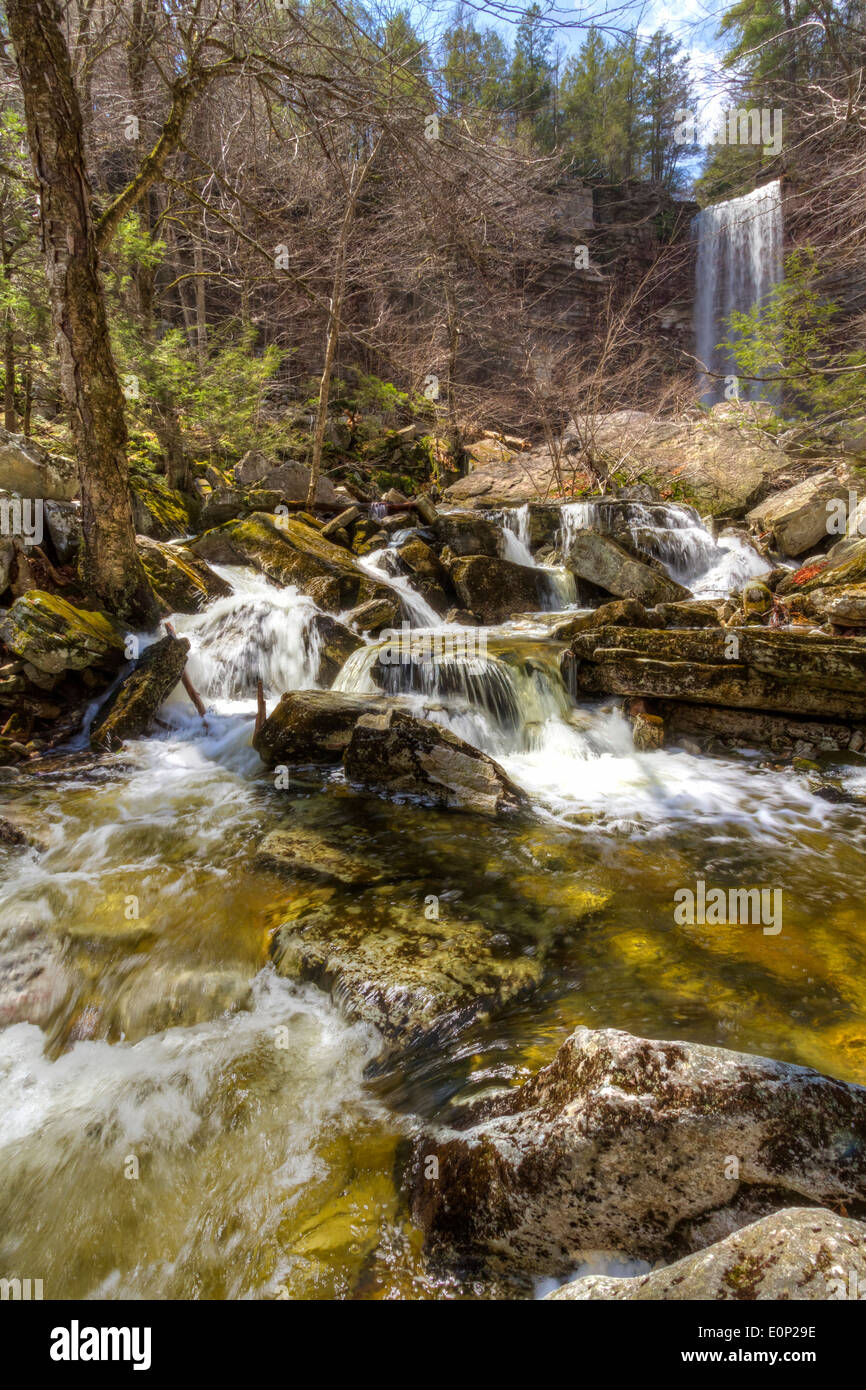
(652,1149)
(313,726)
(799,1253)
(307,854)
(415,980)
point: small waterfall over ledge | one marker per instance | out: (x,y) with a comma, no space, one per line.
(739,258)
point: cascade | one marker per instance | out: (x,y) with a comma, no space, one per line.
(739,258)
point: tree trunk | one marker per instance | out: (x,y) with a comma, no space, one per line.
(110,565)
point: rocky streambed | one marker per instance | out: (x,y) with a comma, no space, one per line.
(371,980)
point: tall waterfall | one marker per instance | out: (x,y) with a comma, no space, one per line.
(739,257)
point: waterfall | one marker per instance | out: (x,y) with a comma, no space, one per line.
(739,258)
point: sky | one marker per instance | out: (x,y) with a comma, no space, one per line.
(693,22)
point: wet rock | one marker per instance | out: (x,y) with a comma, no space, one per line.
(336,643)
(288,552)
(398,754)
(846,565)
(605,562)
(377,614)
(129,711)
(797,518)
(52,636)
(313,726)
(304,853)
(652,1149)
(153,1000)
(463,617)
(798,1253)
(182,582)
(495,589)
(32,980)
(468,534)
(427,574)
(30,471)
(414,979)
(623,613)
(648,732)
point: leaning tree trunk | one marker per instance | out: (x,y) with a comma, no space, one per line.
(110,565)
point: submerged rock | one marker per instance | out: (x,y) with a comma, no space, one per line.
(413,979)
(495,589)
(182,582)
(308,854)
(402,755)
(48,633)
(608,564)
(130,709)
(652,1149)
(153,1000)
(798,1253)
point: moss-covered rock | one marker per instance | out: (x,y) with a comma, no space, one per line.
(158,510)
(54,637)
(130,709)
(182,582)
(288,552)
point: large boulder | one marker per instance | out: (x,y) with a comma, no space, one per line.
(468,534)
(30,471)
(313,726)
(798,1253)
(54,637)
(376,614)
(63,523)
(288,552)
(603,561)
(495,589)
(797,517)
(845,565)
(646,1148)
(130,709)
(182,582)
(398,754)
(626,612)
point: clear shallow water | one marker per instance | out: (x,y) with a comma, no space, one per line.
(268,1142)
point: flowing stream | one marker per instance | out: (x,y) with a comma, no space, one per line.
(256,1153)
